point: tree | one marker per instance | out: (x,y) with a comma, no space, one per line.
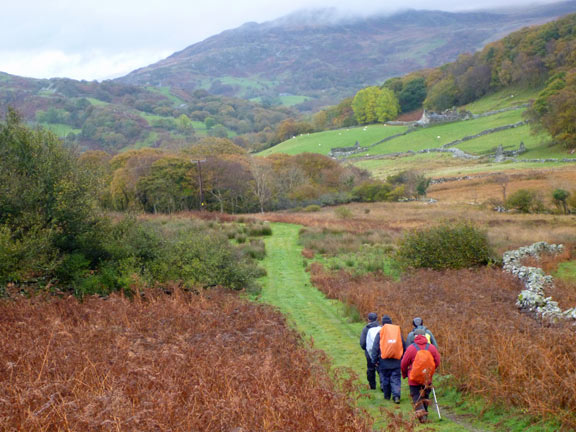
(227,181)
(503,180)
(169,186)
(47,203)
(263,181)
(442,95)
(560,197)
(373,104)
(412,94)
(184,124)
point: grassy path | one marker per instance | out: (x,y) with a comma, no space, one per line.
(288,287)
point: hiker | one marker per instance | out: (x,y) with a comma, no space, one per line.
(387,352)
(418,323)
(419,364)
(366,341)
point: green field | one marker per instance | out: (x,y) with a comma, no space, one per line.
(165,91)
(291,100)
(322,142)
(199,127)
(438,135)
(96,102)
(246,84)
(59,129)
(437,164)
(503,99)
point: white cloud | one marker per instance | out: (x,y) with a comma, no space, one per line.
(91,65)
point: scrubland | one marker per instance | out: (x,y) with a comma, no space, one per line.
(489,348)
(178,362)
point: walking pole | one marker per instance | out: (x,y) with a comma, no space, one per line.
(436,402)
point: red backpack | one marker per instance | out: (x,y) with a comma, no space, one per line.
(423,367)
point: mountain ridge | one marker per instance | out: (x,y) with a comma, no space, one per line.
(328,59)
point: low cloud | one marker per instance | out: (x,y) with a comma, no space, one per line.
(108,38)
(92,65)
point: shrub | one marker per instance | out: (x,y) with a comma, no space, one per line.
(259,229)
(371,191)
(525,201)
(203,258)
(447,246)
(312,208)
(343,212)
(255,249)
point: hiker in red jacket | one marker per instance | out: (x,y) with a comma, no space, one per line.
(419,363)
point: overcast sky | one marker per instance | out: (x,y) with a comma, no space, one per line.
(100,39)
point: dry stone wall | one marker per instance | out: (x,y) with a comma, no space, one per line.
(533,297)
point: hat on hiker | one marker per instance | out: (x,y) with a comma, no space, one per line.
(372,316)
(386,319)
(417,322)
(419,331)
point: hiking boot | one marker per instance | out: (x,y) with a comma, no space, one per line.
(396,400)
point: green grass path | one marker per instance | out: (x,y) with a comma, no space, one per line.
(287,286)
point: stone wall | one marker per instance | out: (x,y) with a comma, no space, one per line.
(533,297)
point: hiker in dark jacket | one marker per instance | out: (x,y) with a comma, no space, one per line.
(419,392)
(418,323)
(389,367)
(370,366)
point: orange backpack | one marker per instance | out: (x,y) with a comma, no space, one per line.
(391,342)
(423,367)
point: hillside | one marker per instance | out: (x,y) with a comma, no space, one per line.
(319,55)
(387,150)
(112,116)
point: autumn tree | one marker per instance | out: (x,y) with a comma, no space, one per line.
(290,128)
(129,167)
(263,181)
(169,186)
(375,104)
(228,183)
(555,109)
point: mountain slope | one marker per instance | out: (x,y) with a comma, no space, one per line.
(318,55)
(112,116)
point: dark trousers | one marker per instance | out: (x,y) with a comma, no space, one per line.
(390,382)
(370,371)
(420,395)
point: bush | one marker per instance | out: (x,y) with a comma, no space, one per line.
(525,201)
(196,257)
(371,192)
(311,208)
(343,212)
(447,246)
(256,249)
(259,229)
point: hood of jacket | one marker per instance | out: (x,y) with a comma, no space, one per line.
(421,340)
